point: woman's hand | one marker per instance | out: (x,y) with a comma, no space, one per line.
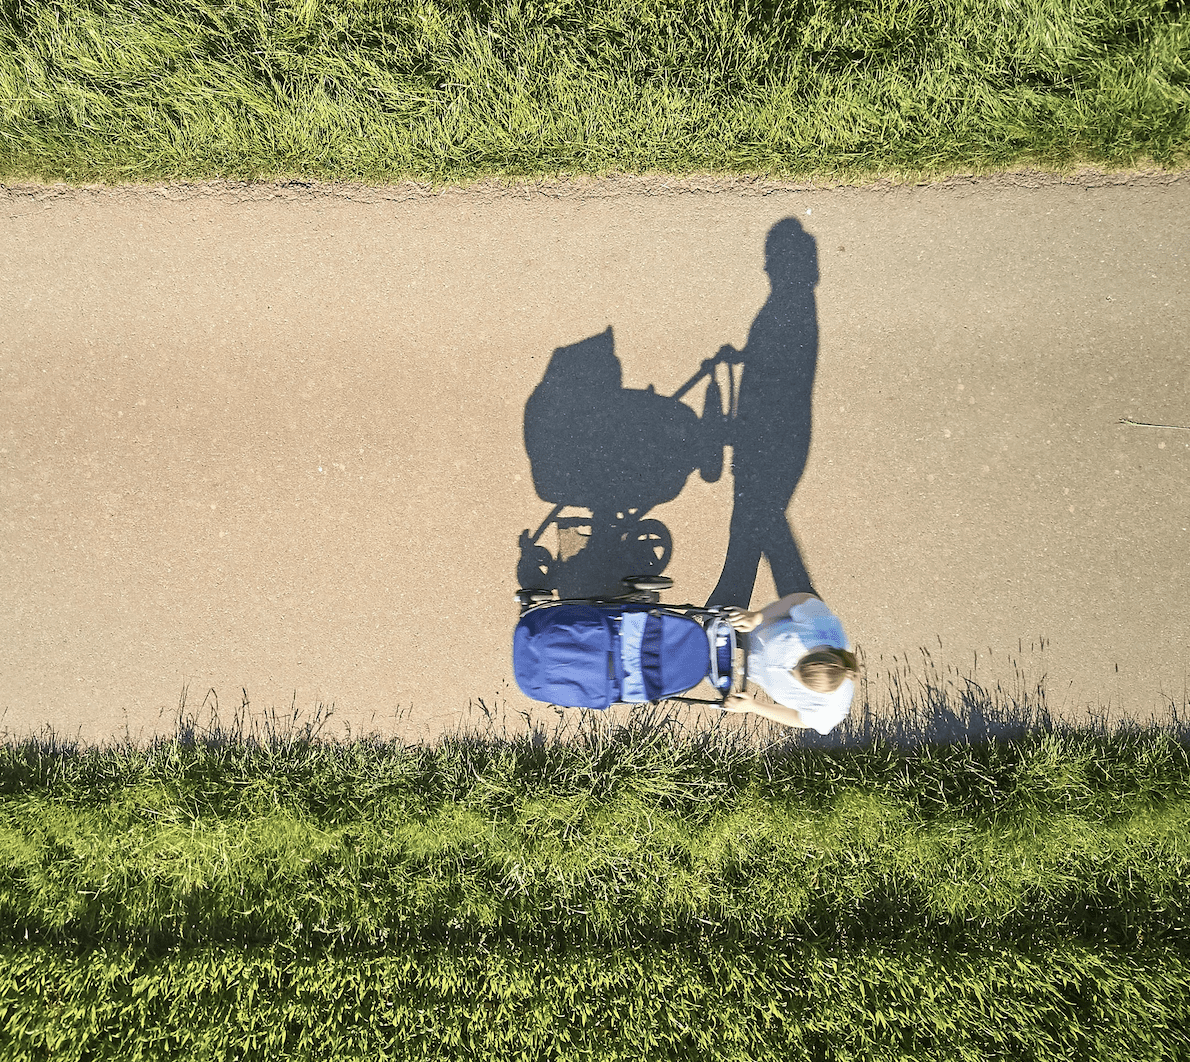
(741,619)
(740,702)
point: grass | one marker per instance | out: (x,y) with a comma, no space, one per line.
(449,91)
(607,891)
(368,845)
(715,1001)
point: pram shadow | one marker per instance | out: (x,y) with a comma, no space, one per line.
(616,452)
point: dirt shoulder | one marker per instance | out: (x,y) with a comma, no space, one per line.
(581,187)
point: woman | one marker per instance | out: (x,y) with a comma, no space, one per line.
(797,653)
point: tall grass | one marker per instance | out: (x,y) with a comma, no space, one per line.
(502,1001)
(607,890)
(1052,836)
(452,90)
(643,832)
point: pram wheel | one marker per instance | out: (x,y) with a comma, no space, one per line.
(533,597)
(647,582)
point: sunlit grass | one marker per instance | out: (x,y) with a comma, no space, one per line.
(717,1000)
(647,888)
(454,91)
(602,836)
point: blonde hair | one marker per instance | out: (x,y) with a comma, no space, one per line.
(825,670)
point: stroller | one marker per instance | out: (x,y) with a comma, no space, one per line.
(595,652)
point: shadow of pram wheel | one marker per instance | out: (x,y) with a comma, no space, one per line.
(647,546)
(535,569)
(591,550)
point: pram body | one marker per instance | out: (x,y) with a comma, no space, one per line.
(592,653)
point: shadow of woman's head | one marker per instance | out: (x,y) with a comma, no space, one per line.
(791,255)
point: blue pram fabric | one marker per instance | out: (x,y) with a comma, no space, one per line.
(589,656)
(563,655)
(674,655)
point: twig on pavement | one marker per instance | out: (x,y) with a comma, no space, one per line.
(1146,424)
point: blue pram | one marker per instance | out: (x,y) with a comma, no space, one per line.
(592,653)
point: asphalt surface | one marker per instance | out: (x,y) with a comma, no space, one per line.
(269,442)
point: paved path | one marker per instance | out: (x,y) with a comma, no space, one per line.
(272,439)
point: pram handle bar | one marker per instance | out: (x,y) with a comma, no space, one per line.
(729,356)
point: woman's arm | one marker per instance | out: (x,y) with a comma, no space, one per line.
(745,702)
(781,608)
(743,620)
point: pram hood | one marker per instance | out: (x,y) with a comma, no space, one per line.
(573,655)
(563,655)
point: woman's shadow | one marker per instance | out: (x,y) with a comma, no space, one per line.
(770,434)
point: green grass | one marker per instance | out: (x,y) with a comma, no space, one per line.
(646,841)
(94,90)
(714,1001)
(641,891)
